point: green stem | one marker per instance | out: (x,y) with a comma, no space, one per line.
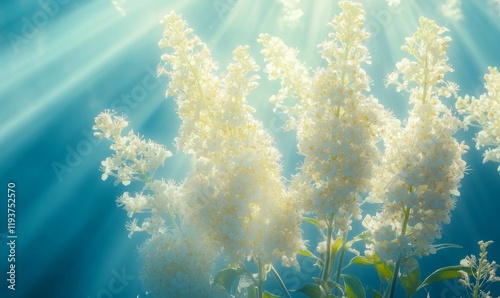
(395,274)
(405,221)
(172,219)
(426,74)
(478,277)
(183,55)
(341,259)
(326,268)
(280,281)
(394,280)
(260,281)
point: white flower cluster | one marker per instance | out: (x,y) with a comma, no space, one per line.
(135,159)
(483,272)
(422,166)
(159,198)
(235,202)
(178,264)
(164,272)
(337,123)
(235,192)
(485,113)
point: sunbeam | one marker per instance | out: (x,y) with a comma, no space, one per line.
(64,62)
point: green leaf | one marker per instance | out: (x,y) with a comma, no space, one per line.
(252,291)
(226,278)
(322,285)
(363,236)
(333,284)
(382,267)
(269,295)
(336,246)
(309,254)
(311,220)
(410,282)
(384,270)
(311,291)
(359,260)
(375,293)
(444,273)
(353,287)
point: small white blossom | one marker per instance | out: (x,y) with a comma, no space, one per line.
(133,204)
(469,261)
(132,227)
(108,125)
(485,113)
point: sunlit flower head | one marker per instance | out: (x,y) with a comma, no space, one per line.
(422,165)
(482,272)
(337,123)
(135,159)
(179,264)
(235,192)
(485,113)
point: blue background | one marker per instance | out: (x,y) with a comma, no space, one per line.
(81,57)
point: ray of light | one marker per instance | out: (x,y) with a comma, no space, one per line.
(62,91)
(39,84)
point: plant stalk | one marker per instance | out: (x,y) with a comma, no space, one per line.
(479,272)
(341,258)
(394,280)
(260,281)
(280,281)
(395,274)
(326,267)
